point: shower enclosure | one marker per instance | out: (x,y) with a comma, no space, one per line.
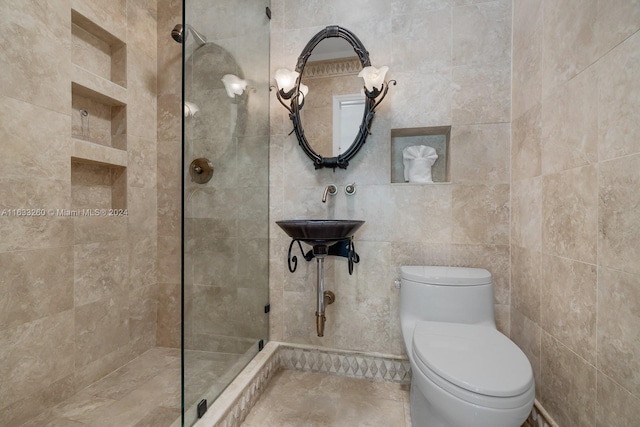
(225,194)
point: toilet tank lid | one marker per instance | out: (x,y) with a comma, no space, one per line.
(441,275)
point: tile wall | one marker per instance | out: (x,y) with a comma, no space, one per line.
(575,228)
(452,61)
(169,173)
(77,294)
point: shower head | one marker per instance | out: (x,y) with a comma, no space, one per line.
(178,34)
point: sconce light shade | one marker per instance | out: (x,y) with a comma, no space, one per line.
(373,77)
(286,80)
(304,90)
(190,109)
(234,85)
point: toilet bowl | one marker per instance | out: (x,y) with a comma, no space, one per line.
(464,371)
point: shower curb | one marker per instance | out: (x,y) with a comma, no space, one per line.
(235,402)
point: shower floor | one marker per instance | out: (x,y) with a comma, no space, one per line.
(143,393)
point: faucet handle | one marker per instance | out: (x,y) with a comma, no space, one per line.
(330,190)
(350,189)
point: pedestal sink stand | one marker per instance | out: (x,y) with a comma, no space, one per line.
(327,237)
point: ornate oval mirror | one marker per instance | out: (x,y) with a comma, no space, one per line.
(337,113)
(334,105)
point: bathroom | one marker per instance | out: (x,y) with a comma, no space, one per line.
(544,153)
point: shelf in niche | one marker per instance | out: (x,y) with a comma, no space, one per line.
(95,86)
(436,137)
(97,50)
(98,118)
(88,152)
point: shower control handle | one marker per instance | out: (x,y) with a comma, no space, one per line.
(201,170)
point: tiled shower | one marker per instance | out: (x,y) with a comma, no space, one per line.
(79,279)
(91,271)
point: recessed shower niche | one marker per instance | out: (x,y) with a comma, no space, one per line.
(98,85)
(99,156)
(97,118)
(98,186)
(98,51)
(434,137)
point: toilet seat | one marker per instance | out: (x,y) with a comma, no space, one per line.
(474,363)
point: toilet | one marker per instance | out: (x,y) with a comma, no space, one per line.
(465,373)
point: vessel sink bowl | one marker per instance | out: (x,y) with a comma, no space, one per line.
(320,231)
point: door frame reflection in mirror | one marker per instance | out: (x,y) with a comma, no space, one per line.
(344,109)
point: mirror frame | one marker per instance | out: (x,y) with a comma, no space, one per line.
(342,160)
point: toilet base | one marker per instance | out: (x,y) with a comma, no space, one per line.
(423,414)
(432,406)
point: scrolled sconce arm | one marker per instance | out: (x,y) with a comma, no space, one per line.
(376,92)
(280,94)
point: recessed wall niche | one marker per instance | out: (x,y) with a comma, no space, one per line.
(98,51)
(435,137)
(97,118)
(98,186)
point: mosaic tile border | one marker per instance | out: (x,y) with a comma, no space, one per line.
(348,364)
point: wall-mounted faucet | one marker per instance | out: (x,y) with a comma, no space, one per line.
(330,190)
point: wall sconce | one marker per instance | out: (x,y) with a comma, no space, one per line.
(234,85)
(286,81)
(374,83)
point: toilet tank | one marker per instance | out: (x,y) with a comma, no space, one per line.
(445,294)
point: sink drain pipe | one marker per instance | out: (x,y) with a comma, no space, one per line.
(323,297)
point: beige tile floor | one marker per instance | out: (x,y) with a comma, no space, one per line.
(143,393)
(295,398)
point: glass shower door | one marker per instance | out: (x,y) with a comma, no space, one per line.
(225,218)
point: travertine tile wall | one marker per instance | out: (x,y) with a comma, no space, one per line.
(452,61)
(77,295)
(169,173)
(575,227)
